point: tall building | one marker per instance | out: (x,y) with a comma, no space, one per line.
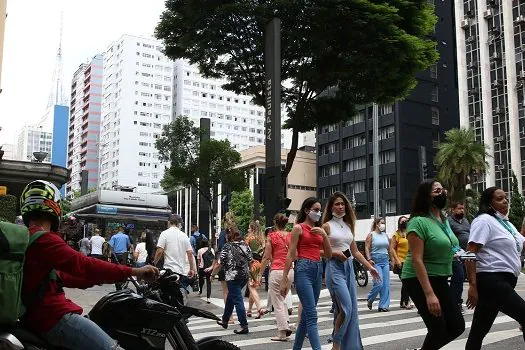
(407,132)
(490,37)
(137,102)
(233,117)
(32,139)
(84,124)
(3,15)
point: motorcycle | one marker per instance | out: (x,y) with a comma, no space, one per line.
(361,276)
(137,321)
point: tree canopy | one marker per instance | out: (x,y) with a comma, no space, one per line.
(517,206)
(336,54)
(458,159)
(242,206)
(200,164)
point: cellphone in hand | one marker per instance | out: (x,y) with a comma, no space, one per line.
(347,253)
(317,224)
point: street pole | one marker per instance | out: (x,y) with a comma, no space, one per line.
(272,104)
(375,142)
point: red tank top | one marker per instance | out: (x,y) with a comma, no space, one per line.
(280,246)
(309,245)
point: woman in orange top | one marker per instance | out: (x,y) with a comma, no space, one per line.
(399,254)
(308,239)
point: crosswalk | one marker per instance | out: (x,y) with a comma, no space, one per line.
(397,329)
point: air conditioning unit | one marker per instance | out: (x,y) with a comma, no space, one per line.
(495,83)
(487,13)
(470,14)
(520,19)
(495,56)
(464,23)
(521,75)
(471,65)
(478,118)
(471,39)
(474,91)
(497,110)
(499,138)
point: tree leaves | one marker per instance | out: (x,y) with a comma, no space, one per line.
(370,50)
(460,157)
(200,164)
(517,206)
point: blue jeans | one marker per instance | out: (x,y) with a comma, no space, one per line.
(308,279)
(341,283)
(76,332)
(236,300)
(456,282)
(381,287)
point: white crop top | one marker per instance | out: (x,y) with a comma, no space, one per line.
(340,235)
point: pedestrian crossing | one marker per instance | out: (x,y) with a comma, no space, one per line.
(398,329)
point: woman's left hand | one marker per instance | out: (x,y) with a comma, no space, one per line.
(374,273)
(318,231)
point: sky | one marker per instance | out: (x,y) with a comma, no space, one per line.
(31,44)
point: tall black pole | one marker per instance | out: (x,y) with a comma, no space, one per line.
(272,62)
(204,210)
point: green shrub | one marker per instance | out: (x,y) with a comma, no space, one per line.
(8,208)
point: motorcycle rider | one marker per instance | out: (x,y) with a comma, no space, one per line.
(49,313)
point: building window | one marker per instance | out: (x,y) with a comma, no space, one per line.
(433,71)
(355,164)
(329,170)
(329,148)
(387,181)
(435,116)
(358,118)
(385,109)
(354,187)
(386,132)
(328,191)
(435,94)
(387,157)
(390,206)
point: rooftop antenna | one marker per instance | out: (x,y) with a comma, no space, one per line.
(56,95)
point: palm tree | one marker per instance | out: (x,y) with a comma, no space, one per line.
(459,159)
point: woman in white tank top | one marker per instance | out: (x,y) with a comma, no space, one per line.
(338,222)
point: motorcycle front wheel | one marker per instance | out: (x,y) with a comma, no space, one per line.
(218,345)
(361,275)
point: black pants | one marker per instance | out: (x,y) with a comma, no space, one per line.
(456,282)
(441,330)
(204,276)
(405,298)
(122,259)
(495,293)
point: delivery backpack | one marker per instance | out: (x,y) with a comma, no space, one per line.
(14,241)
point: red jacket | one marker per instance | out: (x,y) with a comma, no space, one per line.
(74,271)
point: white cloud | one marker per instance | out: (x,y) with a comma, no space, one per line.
(31,42)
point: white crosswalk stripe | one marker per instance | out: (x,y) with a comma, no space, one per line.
(397,329)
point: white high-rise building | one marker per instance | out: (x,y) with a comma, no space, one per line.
(233,117)
(32,139)
(137,102)
(490,39)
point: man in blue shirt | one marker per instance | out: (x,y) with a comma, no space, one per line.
(120,244)
(195,238)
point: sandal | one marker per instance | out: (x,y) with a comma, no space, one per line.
(409,306)
(261,312)
(249,314)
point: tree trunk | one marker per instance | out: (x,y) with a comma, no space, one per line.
(211,215)
(291,155)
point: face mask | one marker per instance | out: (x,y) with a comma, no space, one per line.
(338,216)
(440,201)
(403,226)
(460,216)
(381,227)
(501,216)
(314,215)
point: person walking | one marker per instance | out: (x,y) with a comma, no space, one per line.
(196,238)
(493,277)
(377,250)
(275,251)
(120,245)
(429,264)
(205,258)
(399,252)
(96,242)
(140,255)
(461,228)
(174,245)
(236,257)
(255,240)
(307,241)
(150,246)
(85,246)
(339,224)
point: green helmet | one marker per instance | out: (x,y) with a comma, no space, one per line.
(41,196)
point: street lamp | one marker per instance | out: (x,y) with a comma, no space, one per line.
(39,156)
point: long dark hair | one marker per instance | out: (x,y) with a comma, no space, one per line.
(422,201)
(485,202)
(399,220)
(307,204)
(375,223)
(349,212)
(150,244)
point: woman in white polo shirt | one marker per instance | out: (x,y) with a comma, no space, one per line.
(492,279)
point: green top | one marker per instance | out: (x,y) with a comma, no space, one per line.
(438,251)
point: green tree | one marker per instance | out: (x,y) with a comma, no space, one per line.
(517,206)
(66,207)
(458,159)
(472,197)
(242,206)
(199,164)
(333,56)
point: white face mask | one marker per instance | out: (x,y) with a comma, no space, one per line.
(335,215)
(314,215)
(381,227)
(501,216)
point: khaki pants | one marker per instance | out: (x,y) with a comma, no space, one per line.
(279,305)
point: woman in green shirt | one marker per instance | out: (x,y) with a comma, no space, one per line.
(429,264)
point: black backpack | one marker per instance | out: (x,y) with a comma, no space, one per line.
(198,240)
(207,258)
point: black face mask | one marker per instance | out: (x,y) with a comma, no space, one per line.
(440,201)
(403,225)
